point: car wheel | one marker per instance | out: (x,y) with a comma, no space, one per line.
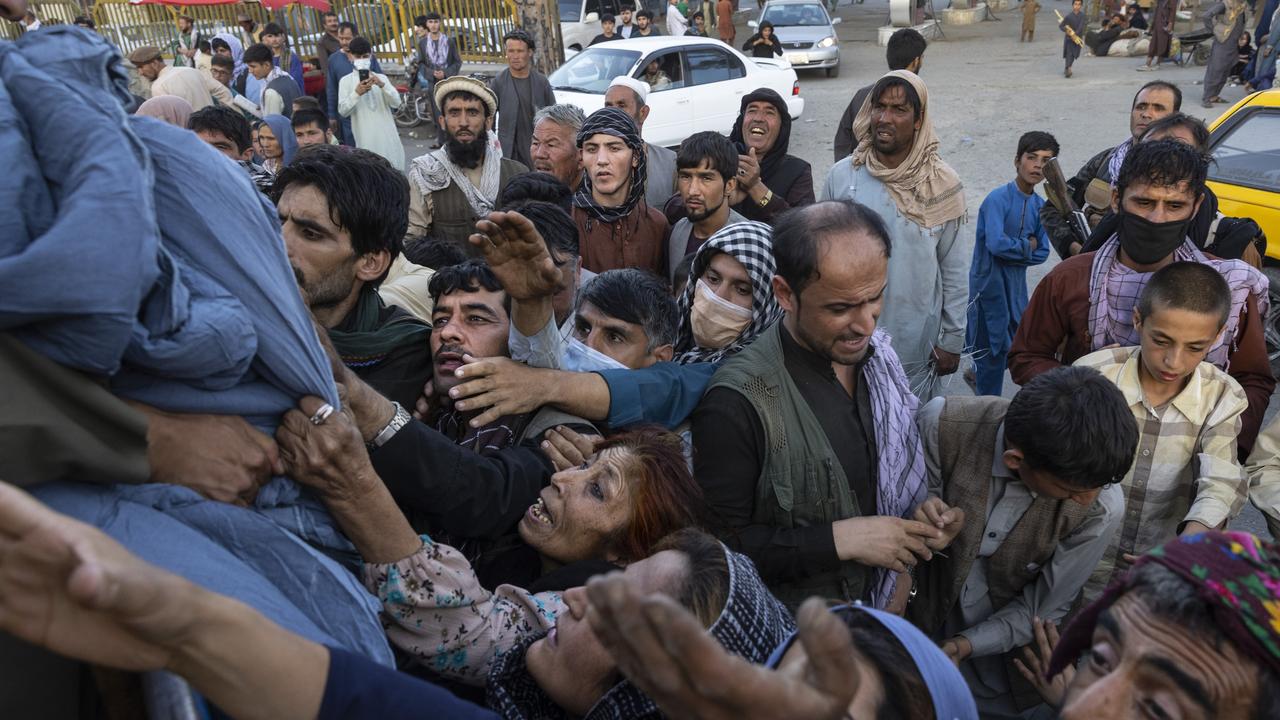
(1271,331)
(833,71)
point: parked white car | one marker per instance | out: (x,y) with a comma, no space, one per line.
(706,80)
(580,22)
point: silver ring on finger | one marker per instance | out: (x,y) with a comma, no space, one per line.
(322,414)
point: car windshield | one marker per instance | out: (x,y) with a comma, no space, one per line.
(1250,154)
(591,70)
(570,10)
(808,15)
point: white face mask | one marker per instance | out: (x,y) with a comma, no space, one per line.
(362,63)
(715,322)
(580,357)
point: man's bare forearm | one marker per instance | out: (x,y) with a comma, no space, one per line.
(530,316)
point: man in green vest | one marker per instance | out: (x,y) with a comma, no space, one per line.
(805,443)
(458,184)
(1037,481)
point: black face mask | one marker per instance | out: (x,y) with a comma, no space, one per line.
(1146,242)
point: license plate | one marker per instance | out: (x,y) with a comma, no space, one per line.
(799,58)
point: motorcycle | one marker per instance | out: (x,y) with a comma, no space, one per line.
(415,102)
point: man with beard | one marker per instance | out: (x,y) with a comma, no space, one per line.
(645,26)
(905,51)
(342,212)
(617,228)
(1086,303)
(630,96)
(806,444)
(458,184)
(769,180)
(554,149)
(896,171)
(520,91)
(1154,100)
(707,168)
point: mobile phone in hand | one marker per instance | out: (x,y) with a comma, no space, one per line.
(364,75)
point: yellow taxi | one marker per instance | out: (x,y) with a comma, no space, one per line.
(1245,174)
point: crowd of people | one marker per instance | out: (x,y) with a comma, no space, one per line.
(551,422)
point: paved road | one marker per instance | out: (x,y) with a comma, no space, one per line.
(985,90)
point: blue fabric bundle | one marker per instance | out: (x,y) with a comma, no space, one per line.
(130,249)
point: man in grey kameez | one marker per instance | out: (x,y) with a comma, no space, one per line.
(1226,18)
(895,170)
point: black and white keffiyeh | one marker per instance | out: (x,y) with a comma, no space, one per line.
(612,121)
(750,243)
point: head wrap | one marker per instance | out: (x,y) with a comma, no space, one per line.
(283,130)
(925,189)
(751,624)
(947,688)
(237,51)
(612,121)
(640,87)
(750,243)
(1235,574)
(169,108)
(772,160)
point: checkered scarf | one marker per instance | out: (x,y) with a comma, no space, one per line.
(1114,289)
(750,243)
(1235,574)
(1118,154)
(612,121)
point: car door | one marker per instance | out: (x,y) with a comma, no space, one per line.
(1245,174)
(670,106)
(718,80)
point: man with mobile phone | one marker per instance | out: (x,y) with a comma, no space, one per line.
(367,98)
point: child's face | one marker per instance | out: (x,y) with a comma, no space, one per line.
(607,27)
(260,69)
(1030,166)
(1046,483)
(1175,341)
(1075,6)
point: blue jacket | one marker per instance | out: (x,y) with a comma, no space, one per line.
(1001,255)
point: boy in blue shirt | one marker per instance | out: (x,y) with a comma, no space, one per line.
(1010,238)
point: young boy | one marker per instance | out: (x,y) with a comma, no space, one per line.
(1026,488)
(1010,238)
(1029,9)
(607,23)
(698,27)
(1185,478)
(368,97)
(1072,27)
(278,89)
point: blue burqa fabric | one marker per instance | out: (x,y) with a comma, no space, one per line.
(181,294)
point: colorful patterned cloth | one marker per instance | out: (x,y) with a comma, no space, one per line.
(1237,576)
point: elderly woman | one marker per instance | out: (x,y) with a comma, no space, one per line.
(615,507)
(87,597)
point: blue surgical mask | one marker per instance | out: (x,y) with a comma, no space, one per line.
(580,358)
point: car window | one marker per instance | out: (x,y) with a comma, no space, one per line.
(709,65)
(792,15)
(570,11)
(1249,154)
(663,71)
(591,70)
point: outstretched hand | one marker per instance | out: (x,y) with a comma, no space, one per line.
(1035,662)
(70,588)
(517,254)
(663,650)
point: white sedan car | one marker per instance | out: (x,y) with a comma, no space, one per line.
(705,82)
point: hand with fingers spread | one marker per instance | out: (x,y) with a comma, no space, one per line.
(499,386)
(222,457)
(1035,661)
(518,255)
(566,448)
(936,512)
(882,541)
(663,650)
(329,457)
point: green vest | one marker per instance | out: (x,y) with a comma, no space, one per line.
(452,216)
(801,483)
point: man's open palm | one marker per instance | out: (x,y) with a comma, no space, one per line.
(518,255)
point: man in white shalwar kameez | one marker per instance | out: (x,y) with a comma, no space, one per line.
(369,104)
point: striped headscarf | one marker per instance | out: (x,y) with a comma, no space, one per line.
(750,243)
(612,121)
(1235,575)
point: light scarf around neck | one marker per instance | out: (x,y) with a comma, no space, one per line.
(927,191)
(435,171)
(1114,289)
(901,480)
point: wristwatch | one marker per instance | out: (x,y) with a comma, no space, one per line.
(398,420)
(768,195)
